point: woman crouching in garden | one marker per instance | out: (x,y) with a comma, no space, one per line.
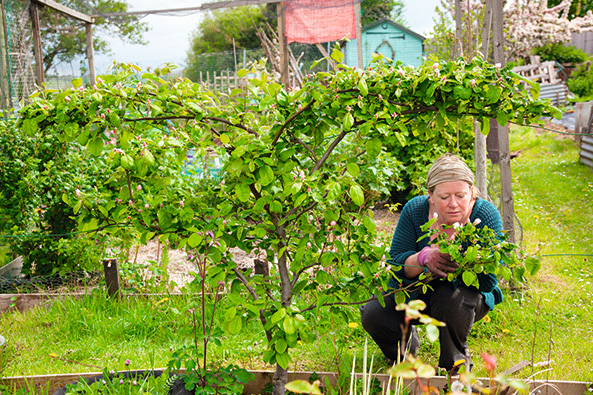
(452,198)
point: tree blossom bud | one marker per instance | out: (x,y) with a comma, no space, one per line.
(222,183)
(127,363)
(473,82)
(67,99)
(435,66)
(139,210)
(380,97)
(130,202)
(147,206)
(181,203)
(348,108)
(489,361)
(309,244)
(477,221)
(333,223)
(78,192)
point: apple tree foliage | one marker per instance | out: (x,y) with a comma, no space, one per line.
(295,186)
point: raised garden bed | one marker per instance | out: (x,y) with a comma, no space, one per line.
(52,383)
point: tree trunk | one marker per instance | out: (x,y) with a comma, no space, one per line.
(279,380)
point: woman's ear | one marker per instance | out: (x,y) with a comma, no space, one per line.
(475,192)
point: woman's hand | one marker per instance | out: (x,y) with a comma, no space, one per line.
(437,263)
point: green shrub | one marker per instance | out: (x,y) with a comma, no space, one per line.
(38,167)
(561,53)
(581,81)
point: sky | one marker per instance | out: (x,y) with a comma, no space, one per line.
(169,35)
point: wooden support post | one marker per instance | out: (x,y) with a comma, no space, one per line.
(357,21)
(90,53)
(508,208)
(39,72)
(5,99)
(457,47)
(111,269)
(283,45)
(480,160)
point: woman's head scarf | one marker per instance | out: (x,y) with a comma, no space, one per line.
(449,168)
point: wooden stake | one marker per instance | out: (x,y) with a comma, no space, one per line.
(111,269)
(39,72)
(283,45)
(358,23)
(90,53)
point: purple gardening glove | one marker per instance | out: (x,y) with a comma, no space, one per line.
(437,263)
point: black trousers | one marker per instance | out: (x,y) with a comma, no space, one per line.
(457,308)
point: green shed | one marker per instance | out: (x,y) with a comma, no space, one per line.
(390,39)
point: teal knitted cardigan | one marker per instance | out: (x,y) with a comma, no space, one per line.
(404,243)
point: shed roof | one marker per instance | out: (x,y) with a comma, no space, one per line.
(397,25)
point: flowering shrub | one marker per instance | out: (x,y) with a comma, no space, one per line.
(480,250)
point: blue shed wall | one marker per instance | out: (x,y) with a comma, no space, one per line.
(408,50)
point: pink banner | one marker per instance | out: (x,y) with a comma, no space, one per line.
(319,21)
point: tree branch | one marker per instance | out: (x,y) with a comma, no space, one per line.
(290,119)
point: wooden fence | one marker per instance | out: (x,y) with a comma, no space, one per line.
(222,81)
(583,41)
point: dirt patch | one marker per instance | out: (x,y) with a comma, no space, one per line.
(179,267)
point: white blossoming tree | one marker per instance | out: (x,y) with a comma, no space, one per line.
(527,23)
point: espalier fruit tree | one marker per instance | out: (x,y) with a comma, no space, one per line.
(296,184)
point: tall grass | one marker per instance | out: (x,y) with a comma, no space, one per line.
(548,320)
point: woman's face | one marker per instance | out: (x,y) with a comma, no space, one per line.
(452,201)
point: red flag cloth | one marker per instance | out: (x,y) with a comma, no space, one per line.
(319,21)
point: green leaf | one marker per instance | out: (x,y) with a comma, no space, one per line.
(283,360)
(95,146)
(243,192)
(242,73)
(353,169)
(303,387)
(502,118)
(280,346)
(265,175)
(348,121)
(127,162)
(337,56)
(77,82)
(289,325)
(195,240)
(469,278)
(362,86)
(234,326)
(485,129)
(357,195)
(493,94)
(462,92)
(432,332)
(30,126)
(369,224)
(373,147)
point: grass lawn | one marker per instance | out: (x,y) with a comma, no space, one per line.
(550,319)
